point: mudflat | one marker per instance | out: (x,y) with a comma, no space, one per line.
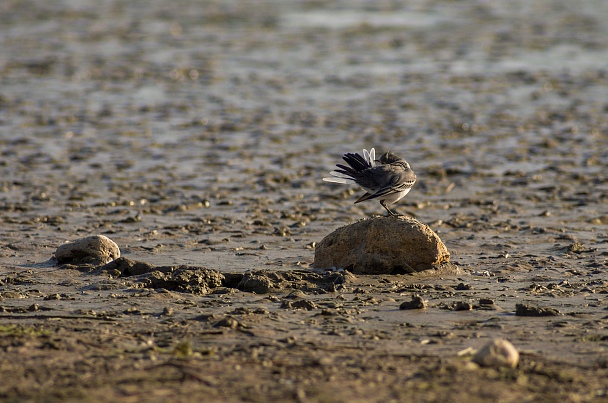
(195,135)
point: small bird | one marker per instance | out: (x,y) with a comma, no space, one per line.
(388,181)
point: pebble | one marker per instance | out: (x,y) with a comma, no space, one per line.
(497,353)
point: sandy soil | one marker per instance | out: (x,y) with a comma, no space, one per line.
(197,133)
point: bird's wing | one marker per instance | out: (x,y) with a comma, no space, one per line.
(384,179)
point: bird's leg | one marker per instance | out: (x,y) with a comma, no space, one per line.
(390,213)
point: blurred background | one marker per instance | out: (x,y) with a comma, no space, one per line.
(150,119)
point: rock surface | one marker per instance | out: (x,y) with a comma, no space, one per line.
(497,353)
(382,245)
(96,249)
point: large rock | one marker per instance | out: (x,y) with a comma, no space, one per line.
(382,245)
(96,249)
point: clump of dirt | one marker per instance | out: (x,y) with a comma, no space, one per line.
(201,280)
(123,267)
(264,281)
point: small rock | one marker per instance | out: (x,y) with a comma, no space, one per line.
(497,353)
(228,322)
(124,267)
(417,302)
(299,304)
(576,247)
(96,249)
(463,306)
(529,310)
(323,361)
(382,245)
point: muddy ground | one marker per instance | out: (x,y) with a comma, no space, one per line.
(197,133)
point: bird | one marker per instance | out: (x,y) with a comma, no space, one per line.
(387,179)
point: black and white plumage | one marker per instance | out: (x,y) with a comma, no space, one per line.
(388,179)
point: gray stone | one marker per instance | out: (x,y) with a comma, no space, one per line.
(382,245)
(96,249)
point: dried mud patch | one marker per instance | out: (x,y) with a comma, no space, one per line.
(201,280)
(264,281)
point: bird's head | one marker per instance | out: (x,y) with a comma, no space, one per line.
(389,158)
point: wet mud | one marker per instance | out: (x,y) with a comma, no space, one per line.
(195,136)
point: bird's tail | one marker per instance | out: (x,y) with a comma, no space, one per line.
(356,162)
